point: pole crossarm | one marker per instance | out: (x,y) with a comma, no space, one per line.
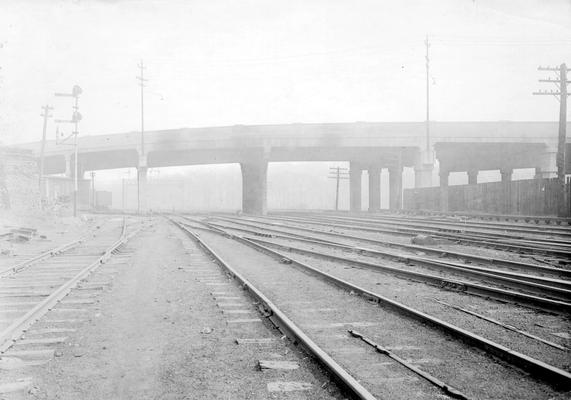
(549,93)
(46,108)
(548,68)
(552,80)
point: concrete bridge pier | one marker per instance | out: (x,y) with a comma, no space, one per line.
(142,192)
(547,167)
(472,176)
(395,188)
(444,174)
(254,187)
(374,189)
(423,168)
(422,177)
(355,173)
(506,174)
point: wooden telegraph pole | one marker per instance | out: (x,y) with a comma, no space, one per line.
(142,81)
(427,57)
(45,115)
(338,174)
(560,94)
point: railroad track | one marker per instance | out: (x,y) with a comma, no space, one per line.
(534,291)
(537,219)
(31,289)
(554,236)
(465,222)
(450,223)
(550,238)
(513,319)
(445,232)
(27,261)
(354,240)
(391,351)
(534,247)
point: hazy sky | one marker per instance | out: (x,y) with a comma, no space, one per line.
(218,62)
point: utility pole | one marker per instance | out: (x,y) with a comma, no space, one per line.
(338,174)
(75,118)
(93,197)
(427,45)
(123,195)
(142,81)
(45,115)
(560,94)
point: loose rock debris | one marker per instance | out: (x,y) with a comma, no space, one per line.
(273,364)
(424,240)
(288,386)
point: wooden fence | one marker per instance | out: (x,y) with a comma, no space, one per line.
(525,197)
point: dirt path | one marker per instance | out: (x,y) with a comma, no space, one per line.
(157,332)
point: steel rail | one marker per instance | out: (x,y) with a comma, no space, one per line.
(555,287)
(498,217)
(406,228)
(560,241)
(454,237)
(286,326)
(551,305)
(505,326)
(42,256)
(11,334)
(523,243)
(540,370)
(403,221)
(438,252)
(467,234)
(466,221)
(449,390)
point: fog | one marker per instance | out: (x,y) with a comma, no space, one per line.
(256,62)
(303,186)
(253,62)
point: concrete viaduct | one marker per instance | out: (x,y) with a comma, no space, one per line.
(371,146)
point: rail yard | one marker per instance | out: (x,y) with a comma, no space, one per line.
(285,200)
(295,305)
